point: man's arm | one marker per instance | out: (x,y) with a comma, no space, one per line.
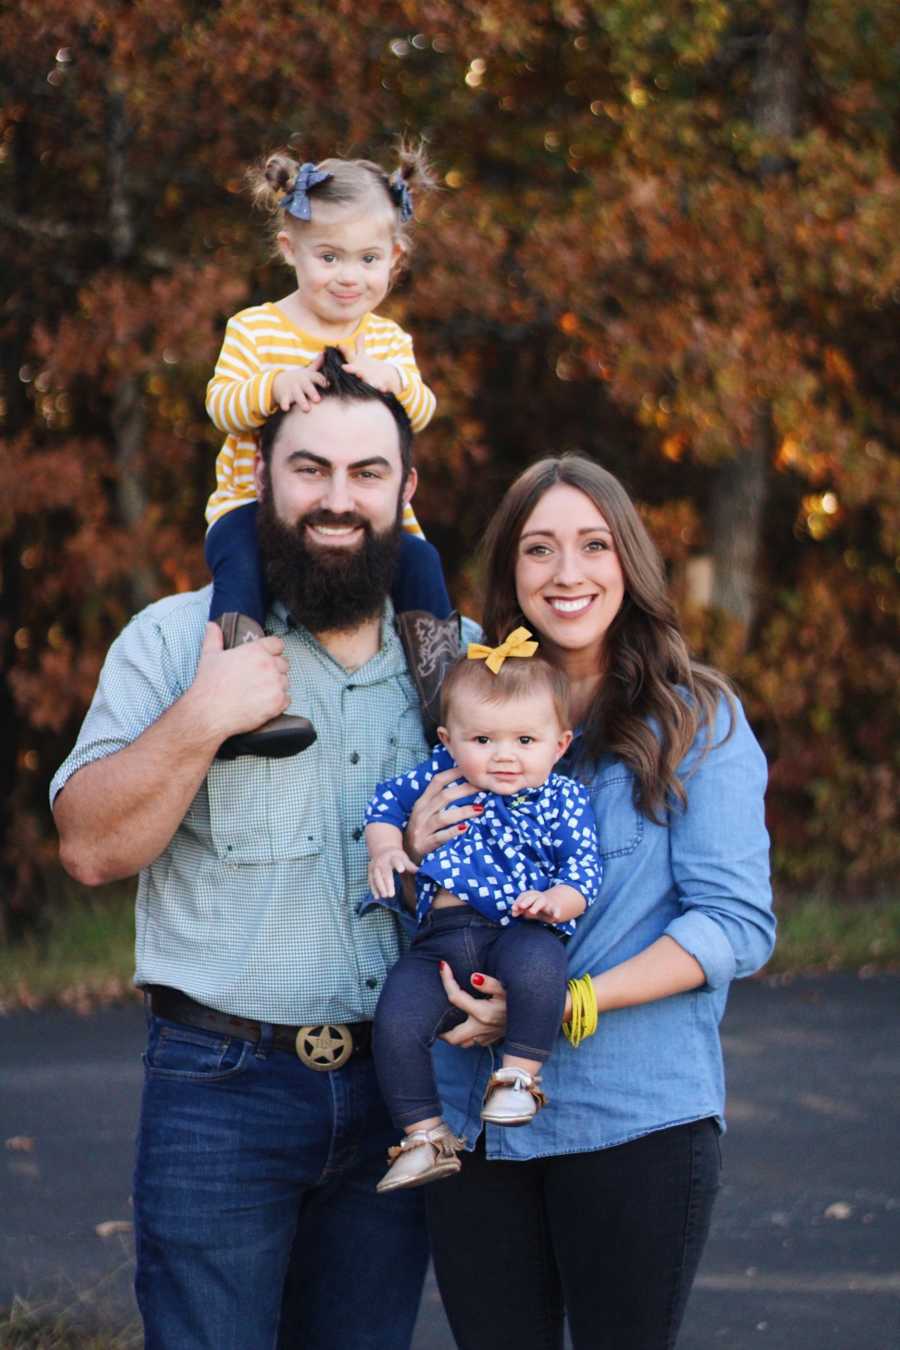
(117,814)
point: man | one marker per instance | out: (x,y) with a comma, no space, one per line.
(262,1131)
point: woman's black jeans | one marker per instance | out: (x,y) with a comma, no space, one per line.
(528,958)
(611,1238)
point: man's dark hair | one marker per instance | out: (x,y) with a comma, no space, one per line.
(341,384)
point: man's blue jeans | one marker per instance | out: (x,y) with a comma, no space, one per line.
(257,1222)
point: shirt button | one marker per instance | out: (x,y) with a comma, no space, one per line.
(357,835)
(372,982)
(354,758)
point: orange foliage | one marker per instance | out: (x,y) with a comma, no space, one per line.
(611,266)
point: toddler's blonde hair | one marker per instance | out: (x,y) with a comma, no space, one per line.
(351,181)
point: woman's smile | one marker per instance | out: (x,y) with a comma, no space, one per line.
(569,579)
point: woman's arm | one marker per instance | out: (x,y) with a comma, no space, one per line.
(719,851)
(660,970)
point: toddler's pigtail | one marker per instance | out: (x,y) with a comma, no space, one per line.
(271,183)
(413,176)
(414,167)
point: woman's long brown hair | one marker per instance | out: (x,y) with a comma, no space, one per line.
(653,699)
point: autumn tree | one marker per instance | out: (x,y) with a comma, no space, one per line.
(666,237)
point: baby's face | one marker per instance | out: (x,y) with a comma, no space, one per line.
(507,746)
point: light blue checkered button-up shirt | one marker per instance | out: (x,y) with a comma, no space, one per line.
(252,908)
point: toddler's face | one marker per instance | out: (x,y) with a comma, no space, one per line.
(507,746)
(343,260)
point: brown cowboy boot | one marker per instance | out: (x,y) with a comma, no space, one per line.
(282,736)
(431,646)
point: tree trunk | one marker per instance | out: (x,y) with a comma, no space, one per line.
(17,334)
(738,499)
(128,417)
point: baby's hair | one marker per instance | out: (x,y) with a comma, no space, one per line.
(350,181)
(518,677)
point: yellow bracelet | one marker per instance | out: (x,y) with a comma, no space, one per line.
(585,1016)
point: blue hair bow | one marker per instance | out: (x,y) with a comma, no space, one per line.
(296,201)
(401,196)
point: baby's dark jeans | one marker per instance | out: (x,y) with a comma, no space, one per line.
(528,957)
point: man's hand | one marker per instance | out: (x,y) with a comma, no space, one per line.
(381,375)
(382,868)
(240,689)
(299,387)
(559,904)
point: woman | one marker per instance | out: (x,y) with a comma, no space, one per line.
(600,1208)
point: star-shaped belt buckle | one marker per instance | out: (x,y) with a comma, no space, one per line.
(324,1047)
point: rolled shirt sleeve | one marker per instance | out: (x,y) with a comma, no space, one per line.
(720,855)
(392,801)
(138,683)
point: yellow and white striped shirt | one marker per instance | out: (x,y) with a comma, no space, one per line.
(261,341)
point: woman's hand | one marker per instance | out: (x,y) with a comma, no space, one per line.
(486,1020)
(434,818)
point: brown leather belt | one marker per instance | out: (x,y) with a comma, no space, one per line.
(321,1046)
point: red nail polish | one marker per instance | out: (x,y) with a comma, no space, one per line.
(443,965)
(462,827)
(478,979)
(478,808)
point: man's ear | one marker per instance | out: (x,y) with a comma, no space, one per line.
(259,475)
(409,487)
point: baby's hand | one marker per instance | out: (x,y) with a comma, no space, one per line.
(381,375)
(382,868)
(299,388)
(556,905)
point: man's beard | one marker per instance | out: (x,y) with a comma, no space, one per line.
(327,589)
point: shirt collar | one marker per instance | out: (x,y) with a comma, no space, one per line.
(389,660)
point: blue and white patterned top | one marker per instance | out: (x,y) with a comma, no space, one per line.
(530,841)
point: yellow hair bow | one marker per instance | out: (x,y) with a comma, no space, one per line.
(516,644)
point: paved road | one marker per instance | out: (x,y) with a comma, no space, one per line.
(805,1250)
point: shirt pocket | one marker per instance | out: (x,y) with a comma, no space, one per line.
(265,810)
(620,825)
(406,746)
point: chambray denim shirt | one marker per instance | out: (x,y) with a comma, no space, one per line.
(703,879)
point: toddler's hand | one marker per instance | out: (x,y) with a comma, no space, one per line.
(299,388)
(382,868)
(556,905)
(532,905)
(381,375)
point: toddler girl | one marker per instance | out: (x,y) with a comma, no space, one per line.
(343,227)
(530,854)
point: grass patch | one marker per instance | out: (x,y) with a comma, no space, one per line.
(816,933)
(25,1326)
(82,956)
